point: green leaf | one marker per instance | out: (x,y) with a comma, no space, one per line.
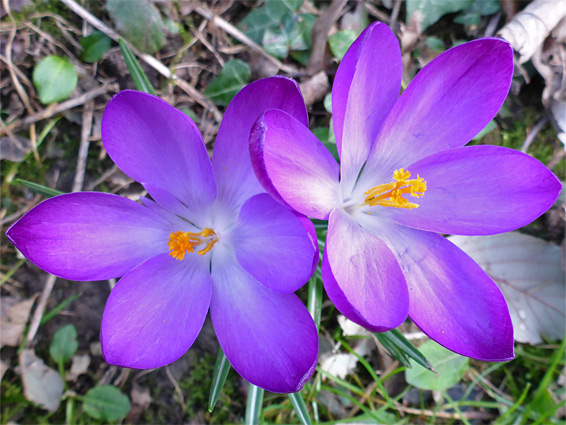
(401,349)
(51,314)
(333,149)
(322,133)
(140,23)
(449,366)
(341,41)
(427,12)
(221,369)
(487,129)
(328,103)
(235,75)
(138,76)
(253,405)
(94,46)
(300,408)
(55,78)
(106,403)
(472,15)
(39,188)
(268,16)
(293,34)
(275,42)
(64,344)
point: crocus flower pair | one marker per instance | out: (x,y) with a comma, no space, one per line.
(405,176)
(210,237)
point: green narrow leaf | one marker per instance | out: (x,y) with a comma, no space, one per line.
(315,299)
(106,403)
(64,344)
(253,405)
(138,76)
(221,369)
(51,314)
(300,408)
(55,78)
(401,349)
(235,75)
(39,188)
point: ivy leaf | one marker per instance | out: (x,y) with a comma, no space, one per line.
(140,23)
(449,367)
(235,75)
(427,12)
(341,41)
(55,78)
(269,16)
(106,403)
(94,46)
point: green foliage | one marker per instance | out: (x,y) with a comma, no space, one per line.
(449,368)
(140,23)
(136,72)
(472,15)
(221,369)
(268,16)
(54,78)
(341,41)
(235,75)
(94,46)
(292,35)
(39,188)
(430,11)
(401,349)
(64,344)
(106,403)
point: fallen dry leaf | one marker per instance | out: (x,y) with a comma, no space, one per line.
(79,366)
(13,320)
(42,385)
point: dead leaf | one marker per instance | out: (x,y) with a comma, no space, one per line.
(79,366)
(4,366)
(42,385)
(350,328)
(529,272)
(14,148)
(13,320)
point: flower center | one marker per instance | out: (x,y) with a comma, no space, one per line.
(182,242)
(391,194)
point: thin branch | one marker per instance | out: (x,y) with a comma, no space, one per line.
(83,150)
(40,309)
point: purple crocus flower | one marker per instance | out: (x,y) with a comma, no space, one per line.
(211,237)
(404,177)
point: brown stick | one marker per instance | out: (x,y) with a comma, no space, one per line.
(83,150)
(320,35)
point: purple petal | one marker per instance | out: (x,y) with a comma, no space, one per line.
(451,298)
(366,87)
(231,159)
(156,311)
(272,245)
(479,190)
(450,101)
(89,235)
(367,273)
(292,164)
(268,337)
(158,146)
(311,232)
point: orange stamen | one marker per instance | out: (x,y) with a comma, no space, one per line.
(182,242)
(391,194)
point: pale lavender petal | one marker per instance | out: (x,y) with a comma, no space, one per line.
(479,190)
(272,245)
(156,311)
(451,298)
(367,272)
(269,338)
(451,100)
(292,164)
(159,146)
(366,87)
(231,159)
(89,235)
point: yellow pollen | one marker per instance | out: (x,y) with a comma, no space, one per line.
(183,242)
(391,194)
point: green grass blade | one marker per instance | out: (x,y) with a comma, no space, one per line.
(39,188)
(221,369)
(51,314)
(138,76)
(315,299)
(401,349)
(300,408)
(253,405)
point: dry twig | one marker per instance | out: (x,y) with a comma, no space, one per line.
(39,310)
(83,150)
